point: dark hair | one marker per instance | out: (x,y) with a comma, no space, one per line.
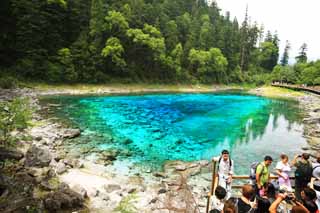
(306,156)
(215,211)
(263,205)
(225,151)
(220,192)
(230,206)
(267,157)
(310,193)
(284,156)
(271,191)
(247,191)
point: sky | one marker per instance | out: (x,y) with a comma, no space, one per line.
(295,20)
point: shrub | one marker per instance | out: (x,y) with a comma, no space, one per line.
(14,115)
(8,82)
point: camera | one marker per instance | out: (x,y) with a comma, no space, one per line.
(290,196)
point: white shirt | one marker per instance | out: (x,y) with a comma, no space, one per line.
(217,204)
(283,167)
(316,170)
(224,166)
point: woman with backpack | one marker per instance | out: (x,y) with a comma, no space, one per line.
(283,169)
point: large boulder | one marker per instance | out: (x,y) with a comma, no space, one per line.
(37,157)
(64,199)
(71,133)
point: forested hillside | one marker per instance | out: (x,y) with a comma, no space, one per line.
(98,41)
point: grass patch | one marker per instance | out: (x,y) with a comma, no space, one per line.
(270,91)
(126,205)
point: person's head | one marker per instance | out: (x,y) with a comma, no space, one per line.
(298,209)
(305,156)
(215,211)
(284,158)
(220,192)
(263,205)
(248,191)
(267,160)
(229,206)
(270,190)
(308,194)
(225,154)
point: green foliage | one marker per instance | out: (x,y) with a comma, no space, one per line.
(8,82)
(137,41)
(14,115)
(114,49)
(68,70)
(126,204)
(149,37)
(209,65)
(116,23)
(268,56)
(302,57)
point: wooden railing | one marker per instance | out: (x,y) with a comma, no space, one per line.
(315,90)
(235,177)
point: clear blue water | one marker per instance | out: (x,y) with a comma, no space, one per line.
(186,126)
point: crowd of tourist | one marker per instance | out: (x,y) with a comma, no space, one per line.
(265,195)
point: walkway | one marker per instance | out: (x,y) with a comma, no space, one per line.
(314,89)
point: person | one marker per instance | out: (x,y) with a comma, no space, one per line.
(244,204)
(297,208)
(229,207)
(308,197)
(283,169)
(225,171)
(218,200)
(263,172)
(315,185)
(302,174)
(316,167)
(265,198)
(315,180)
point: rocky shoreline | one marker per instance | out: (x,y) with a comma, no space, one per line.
(62,179)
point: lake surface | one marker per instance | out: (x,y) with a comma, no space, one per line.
(154,128)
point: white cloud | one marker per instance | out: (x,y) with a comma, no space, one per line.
(294,20)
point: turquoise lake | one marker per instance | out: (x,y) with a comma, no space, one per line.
(155,128)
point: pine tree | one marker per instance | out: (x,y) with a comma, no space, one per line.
(285,57)
(302,57)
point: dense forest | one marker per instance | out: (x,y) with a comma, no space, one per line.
(166,41)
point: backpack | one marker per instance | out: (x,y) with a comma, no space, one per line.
(303,172)
(253,170)
(230,162)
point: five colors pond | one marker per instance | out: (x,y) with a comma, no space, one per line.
(154,128)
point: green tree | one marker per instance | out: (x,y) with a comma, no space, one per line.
(65,58)
(285,57)
(267,55)
(114,50)
(302,57)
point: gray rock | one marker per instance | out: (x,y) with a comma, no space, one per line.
(65,199)
(160,174)
(80,190)
(154,200)
(61,168)
(112,187)
(71,133)
(37,157)
(104,196)
(161,191)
